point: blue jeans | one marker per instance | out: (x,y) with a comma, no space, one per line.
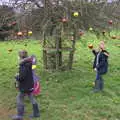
(20,104)
(99,83)
(20,99)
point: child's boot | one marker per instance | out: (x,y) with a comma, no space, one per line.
(97,86)
(36,112)
(101,85)
(20,113)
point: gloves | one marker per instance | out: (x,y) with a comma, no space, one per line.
(17,80)
(17,77)
(16,84)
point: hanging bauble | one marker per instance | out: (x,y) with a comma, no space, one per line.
(90,46)
(90,29)
(29,32)
(64,20)
(110,22)
(81,33)
(19,33)
(75,14)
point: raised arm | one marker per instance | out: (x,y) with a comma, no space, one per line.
(25,59)
(106,54)
(94,52)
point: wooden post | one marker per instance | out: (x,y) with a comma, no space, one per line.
(71,56)
(44,52)
(58,49)
(60,52)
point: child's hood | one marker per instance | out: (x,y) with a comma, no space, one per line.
(34,61)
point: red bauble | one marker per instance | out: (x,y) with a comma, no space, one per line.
(110,22)
(64,20)
(81,33)
(14,23)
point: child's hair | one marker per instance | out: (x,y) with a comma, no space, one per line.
(102,42)
(102,45)
(23,54)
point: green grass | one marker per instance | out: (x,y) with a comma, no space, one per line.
(65,95)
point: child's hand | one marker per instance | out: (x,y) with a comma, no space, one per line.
(95,69)
(17,74)
(106,54)
(16,84)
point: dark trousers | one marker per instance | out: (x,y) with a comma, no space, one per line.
(20,98)
(99,83)
(20,104)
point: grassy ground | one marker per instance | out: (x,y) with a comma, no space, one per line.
(65,95)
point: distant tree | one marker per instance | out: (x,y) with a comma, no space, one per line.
(7,21)
(35,14)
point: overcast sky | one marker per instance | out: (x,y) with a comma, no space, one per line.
(3,1)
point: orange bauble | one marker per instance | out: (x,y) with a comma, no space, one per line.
(113,37)
(90,46)
(19,33)
(81,33)
(103,31)
(10,50)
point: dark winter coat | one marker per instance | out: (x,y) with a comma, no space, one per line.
(102,66)
(25,78)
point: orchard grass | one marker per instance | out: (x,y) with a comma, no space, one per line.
(65,95)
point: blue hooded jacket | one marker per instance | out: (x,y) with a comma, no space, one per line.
(102,66)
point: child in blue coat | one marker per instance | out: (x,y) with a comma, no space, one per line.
(100,66)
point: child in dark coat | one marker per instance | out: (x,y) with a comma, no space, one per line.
(25,86)
(37,88)
(100,66)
